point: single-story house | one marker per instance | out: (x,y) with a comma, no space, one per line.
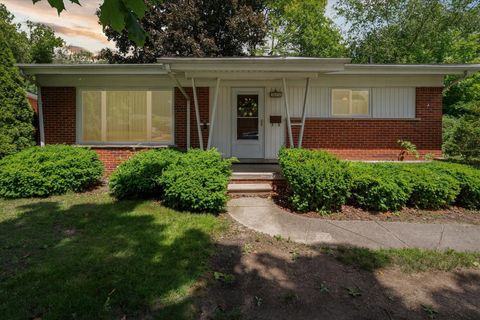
(245,107)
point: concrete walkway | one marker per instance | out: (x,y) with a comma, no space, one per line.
(264,216)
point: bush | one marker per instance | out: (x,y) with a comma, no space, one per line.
(197,182)
(431,189)
(469,180)
(376,187)
(317,180)
(50,170)
(138,176)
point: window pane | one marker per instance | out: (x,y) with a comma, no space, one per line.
(92,115)
(360,102)
(126,116)
(162,116)
(340,102)
(247,117)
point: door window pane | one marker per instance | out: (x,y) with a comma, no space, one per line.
(247,117)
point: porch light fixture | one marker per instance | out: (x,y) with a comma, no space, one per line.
(275,94)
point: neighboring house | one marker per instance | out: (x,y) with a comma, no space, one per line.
(245,107)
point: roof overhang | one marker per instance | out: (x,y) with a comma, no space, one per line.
(409,69)
(93,69)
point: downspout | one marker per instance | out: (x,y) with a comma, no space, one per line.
(40,116)
(187,98)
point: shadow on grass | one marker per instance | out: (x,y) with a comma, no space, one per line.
(99,261)
(274,281)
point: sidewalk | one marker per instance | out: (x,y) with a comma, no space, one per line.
(263,216)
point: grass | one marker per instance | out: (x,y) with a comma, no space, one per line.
(409,260)
(89,257)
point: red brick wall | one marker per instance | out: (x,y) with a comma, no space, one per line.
(181,117)
(112,157)
(370,139)
(58,105)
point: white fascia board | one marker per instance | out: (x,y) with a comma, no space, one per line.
(96,69)
(408,69)
(246,75)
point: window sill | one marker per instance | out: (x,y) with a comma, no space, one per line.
(297,121)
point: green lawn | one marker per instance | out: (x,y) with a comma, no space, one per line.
(88,256)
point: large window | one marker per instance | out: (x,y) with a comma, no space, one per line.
(350,102)
(127,116)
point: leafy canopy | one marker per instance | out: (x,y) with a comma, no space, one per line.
(117,14)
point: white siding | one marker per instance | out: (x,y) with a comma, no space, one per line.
(222,129)
(393,102)
(274,133)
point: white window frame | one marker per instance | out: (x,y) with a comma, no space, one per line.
(368,115)
(103,90)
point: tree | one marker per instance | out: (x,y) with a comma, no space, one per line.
(300,27)
(193,28)
(43,42)
(412,31)
(16,115)
(15,39)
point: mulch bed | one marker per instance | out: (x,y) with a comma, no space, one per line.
(450,215)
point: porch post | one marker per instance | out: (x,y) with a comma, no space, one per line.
(289,124)
(197,114)
(40,116)
(304,113)
(214,111)
(186,96)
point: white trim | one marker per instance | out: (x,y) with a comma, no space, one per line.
(41,126)
(197,114)
(214,111)
(287,112)
(304,113)
(103,90)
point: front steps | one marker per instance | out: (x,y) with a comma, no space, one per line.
(253,183)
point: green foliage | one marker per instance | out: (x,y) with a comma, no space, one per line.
(300,27)
(16,114)
(317,180)
(469,180)
(431,188)
(50,170)
(461,135)
(377,188)
(120,15)
(197,182)
(192,28)
(138,176)
(43,42)
(192,181)
(15,39)
(409,148)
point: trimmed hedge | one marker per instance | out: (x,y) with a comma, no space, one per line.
(193,181)
(376,188)
(197,182)
(49,170)
(316,179)
(138,176)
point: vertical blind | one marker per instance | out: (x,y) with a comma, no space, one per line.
(119,116)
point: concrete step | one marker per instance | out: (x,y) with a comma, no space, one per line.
(249,188)
(256,176)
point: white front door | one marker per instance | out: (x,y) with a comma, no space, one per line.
(247,126)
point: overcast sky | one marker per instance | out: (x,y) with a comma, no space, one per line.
(78,25)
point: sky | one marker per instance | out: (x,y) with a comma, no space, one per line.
(78,25)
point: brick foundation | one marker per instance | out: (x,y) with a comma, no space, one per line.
(372,139)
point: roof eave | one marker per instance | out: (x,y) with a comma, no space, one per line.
(93,69)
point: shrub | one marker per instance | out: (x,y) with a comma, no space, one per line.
(317,180)
(431,189)
(197,182)
(378,188)
(50,170)
(469,180)
(138,176)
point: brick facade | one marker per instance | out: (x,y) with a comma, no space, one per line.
(376,139)
(181,117)
(361,139)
